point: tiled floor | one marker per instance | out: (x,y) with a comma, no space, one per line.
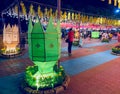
(92,69)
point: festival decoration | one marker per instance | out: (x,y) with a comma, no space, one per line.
(32,12)
(64,15)
(118,3)
(73,16)
(16,9)
(110,2)
(76,17)
(44,51)
(40,13)
(76,37)
(105,40)
(116,50)
(23,8)
(67,16)
(115,2)
(95,34)
(10,40)
(50,12)
(45,12)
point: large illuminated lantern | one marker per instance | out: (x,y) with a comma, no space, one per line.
(10,40)
(44,51)
(76,37)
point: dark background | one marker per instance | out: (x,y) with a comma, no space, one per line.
(96,7)
(88,6)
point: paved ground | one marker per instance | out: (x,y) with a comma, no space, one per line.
(92,69)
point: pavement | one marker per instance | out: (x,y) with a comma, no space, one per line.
(92,69)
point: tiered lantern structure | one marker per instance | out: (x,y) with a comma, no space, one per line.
(44,51)
(10,40)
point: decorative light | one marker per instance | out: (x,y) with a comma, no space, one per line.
(118,3)
(110,2)
(117,11)
(10,39)
(115,2)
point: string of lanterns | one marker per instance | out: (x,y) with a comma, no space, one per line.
(115,2)
(65,15)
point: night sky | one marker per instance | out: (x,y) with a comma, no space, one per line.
(85,6)
(75,4)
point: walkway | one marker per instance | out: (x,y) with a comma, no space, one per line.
(93,70)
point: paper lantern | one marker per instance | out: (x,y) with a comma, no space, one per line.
(44,45)
(10,39)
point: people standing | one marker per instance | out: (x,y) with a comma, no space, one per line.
(70,42)
(80,40)
(118,34)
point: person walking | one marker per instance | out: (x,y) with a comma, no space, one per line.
(80,40)
(70,42)
(118,34)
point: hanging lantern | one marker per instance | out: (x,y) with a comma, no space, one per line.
(79,16)
(115,2)
(48,14)
(118,3)
(23,8)
(69,16)
(32,12)
(39,10)
(64,15)
(73,16)
(16,9)
(56,11)
(45,12)
(110,2)
(50,11)
(61,14)
(76,16)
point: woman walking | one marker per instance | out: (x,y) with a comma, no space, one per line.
(70,42)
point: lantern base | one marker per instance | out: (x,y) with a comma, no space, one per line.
(105,40)
(117,54)
(29,90)
(12,55)
(76,43)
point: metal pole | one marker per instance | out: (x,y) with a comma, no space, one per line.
(79,23)
(58,8)
(2,21)
(19,24)
(58,18)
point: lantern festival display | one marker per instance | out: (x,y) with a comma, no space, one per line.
(44,51)
(10,40)
(76,37)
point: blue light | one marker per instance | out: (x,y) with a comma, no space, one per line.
(117,11)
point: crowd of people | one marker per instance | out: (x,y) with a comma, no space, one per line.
(72,35)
